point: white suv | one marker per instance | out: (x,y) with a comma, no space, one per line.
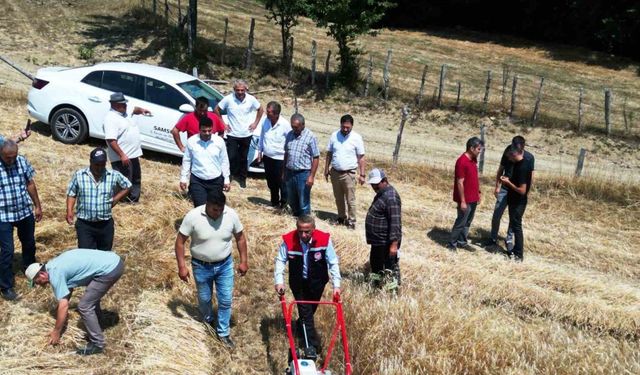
(74,102)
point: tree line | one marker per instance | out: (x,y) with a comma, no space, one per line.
(604,25)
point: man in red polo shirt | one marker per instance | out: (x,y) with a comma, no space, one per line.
(466,193)
(190,122)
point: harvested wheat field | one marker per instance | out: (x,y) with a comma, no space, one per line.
(572,307)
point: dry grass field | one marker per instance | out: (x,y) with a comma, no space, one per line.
(573,306)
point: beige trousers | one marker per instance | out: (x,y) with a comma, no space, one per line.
(344,190)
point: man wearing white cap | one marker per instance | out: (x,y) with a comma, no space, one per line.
(383,227)
(95,269)
(124,143)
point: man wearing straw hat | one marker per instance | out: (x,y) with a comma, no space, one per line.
(94,191)
(97,270)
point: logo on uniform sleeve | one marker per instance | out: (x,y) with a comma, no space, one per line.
(317,256)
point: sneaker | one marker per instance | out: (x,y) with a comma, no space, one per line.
(9,294)
(90,349)
(451,248)
(341,221)
(242,183)
(351,224)
(227,342)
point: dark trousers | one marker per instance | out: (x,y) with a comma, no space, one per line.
(307,292)
(238,149)
(273,173)
(95,234)
(460,229)
(26,228)
(381,261)
(134,174)
(516,211)
(199,188)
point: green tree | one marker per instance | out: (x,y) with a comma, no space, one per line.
(346,20)
(285,13)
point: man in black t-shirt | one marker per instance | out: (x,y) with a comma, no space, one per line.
(506,169)
(517,185)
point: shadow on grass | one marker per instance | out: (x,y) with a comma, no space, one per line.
(271,329)
(439,235)
(331,217)
(258,201)
(559,52)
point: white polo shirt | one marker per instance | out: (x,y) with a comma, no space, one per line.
(272,138)
(211,239)
(240,114)
(345,150)
(205,160)
(121,127)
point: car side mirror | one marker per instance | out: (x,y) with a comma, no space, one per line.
(186,108)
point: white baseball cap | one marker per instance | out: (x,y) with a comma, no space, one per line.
(32,272)
(375,176)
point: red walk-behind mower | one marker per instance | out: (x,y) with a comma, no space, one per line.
(303,362)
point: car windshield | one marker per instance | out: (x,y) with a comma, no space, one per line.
(197,88)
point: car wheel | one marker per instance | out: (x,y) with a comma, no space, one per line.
(69,126)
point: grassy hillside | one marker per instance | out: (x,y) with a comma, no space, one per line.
(571,307)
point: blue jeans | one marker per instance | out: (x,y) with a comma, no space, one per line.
(501,205)
(220,273)
(298,193)
(26,228)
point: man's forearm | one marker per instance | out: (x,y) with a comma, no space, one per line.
(327,162)
(114,145)
(361,165)
(33,193)
(176,138)
(179,250)
(121,194)
(461,191)
(314,165)
(61,314)
(242,248)
(71,202)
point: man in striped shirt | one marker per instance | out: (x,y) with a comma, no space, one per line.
(94,191)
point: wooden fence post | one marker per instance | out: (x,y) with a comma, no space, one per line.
(443,73)
(506,69)
(581,157)
(155,7)
(224,40)
(458,96)
(369,75)
(249,54)
(422,81)
(314,50)
(481,156)
(295,103)
(396,151)
(514,92)
(536,108)
(326,70)
(194,72)
(607,110)
(624,115)
(485,99)
(193,25)
(385,75)
(580,98)
(166,11)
